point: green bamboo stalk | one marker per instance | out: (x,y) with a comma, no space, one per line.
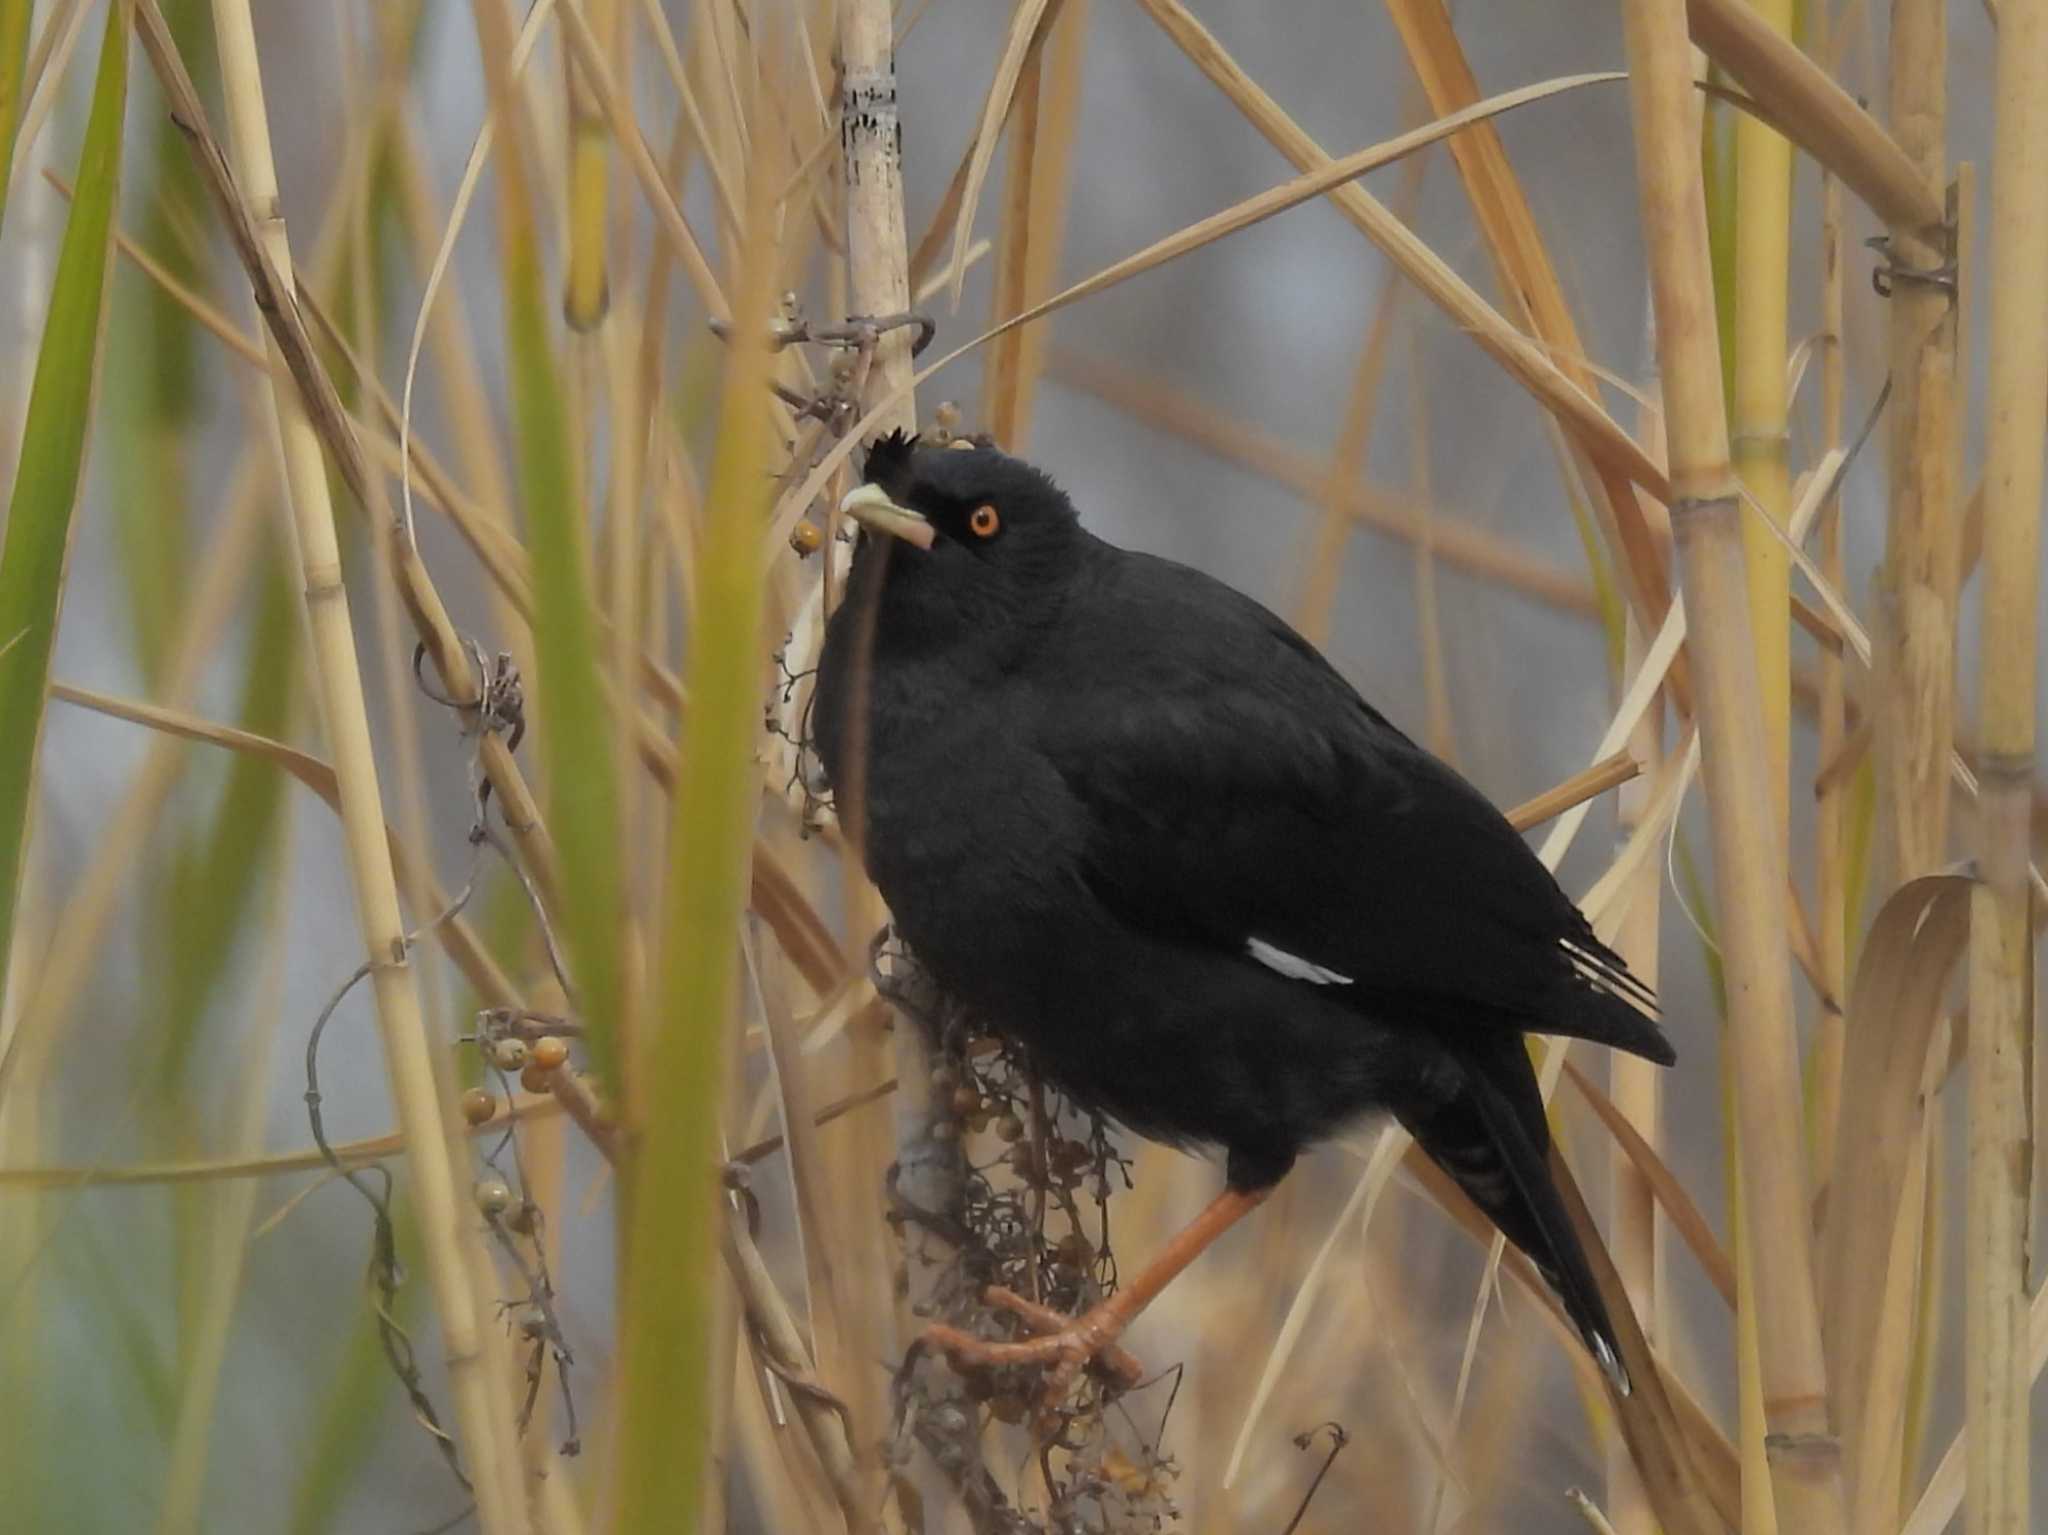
(52,461)
(575,728)
(586,290)
(14,20)
(671,1241)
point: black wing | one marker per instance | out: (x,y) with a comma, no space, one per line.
(1234,788)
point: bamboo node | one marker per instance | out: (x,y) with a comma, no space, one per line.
(1810,1450)
(1742,442)
(322,581)
(1683,507)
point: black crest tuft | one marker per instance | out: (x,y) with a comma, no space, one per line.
(888,460)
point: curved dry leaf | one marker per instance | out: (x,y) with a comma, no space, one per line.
(1895,1003)
(1685,1217)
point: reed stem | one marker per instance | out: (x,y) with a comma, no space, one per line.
(483,1420)
(1749,867)
(2000,1171)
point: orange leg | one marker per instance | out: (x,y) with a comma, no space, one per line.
(1068,1344)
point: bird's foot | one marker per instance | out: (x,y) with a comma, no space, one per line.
(1061,1345)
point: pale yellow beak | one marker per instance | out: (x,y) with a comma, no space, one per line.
(871,507)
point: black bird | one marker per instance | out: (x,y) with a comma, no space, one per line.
(1139,826)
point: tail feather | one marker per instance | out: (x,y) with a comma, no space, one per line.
(1494,1142)
(1596,998)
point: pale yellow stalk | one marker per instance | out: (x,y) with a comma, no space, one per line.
(1749,864)
(1824,119)
(1912,708)
(1915,628)
(1995,1378)
(878,283)
(1830,888)
(1636,1090)
(1763,239)
(482,1420)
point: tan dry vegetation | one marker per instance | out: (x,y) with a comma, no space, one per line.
(466,501)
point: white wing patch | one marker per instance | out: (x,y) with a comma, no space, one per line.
(1293,966)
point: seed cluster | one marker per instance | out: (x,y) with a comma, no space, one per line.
(1032,1217)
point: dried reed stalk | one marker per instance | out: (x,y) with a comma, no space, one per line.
(1869,1323)
(483,1419)
(1813,111)
(1636,1092)
(878,284)
(1748,860)
(1915,662)
(1831,895)
(1757,428)
(1995,1378)
(1524,360)
(1039,206)
(1528,277)
(1339,486)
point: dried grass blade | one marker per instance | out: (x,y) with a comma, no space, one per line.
(463,946)
(1388,1149)
(1157,402)
(1525,360)
(1813,111)
(1686,1455)
(668,214)
(1692,1227)
(1028,25)
(1530,279)
(1229,221)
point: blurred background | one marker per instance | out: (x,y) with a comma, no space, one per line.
(187,1333)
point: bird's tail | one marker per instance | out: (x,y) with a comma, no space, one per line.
(1493,1140)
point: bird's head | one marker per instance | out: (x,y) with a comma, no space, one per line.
(986,533)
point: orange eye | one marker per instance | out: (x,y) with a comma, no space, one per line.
(984,521)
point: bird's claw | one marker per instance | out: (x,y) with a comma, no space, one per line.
(1061,1345)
